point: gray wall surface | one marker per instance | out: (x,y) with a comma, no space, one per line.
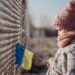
(11,27)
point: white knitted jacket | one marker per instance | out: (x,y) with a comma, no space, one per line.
(63,63)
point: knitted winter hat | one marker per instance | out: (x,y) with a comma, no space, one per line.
(66,17)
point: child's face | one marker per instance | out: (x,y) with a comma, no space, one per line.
(62,31)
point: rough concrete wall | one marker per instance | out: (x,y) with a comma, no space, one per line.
(10,33)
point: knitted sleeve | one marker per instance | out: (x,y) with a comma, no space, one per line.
(52,59)
(71,61)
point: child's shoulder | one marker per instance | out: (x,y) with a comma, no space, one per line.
(69,48)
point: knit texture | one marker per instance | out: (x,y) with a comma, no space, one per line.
(63,63)
(65,19)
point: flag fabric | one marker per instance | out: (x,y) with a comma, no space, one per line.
(27,60)
(19,54)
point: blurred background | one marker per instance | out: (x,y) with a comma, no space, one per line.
(41,35)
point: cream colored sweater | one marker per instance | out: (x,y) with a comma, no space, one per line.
(63,63)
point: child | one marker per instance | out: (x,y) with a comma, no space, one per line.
(63,63)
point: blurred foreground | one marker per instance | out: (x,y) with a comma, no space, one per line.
(43,48)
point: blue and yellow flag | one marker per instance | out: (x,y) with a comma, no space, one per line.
(27,60)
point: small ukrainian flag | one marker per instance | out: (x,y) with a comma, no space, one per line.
(27,60)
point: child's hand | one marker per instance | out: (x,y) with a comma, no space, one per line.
(46,63)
